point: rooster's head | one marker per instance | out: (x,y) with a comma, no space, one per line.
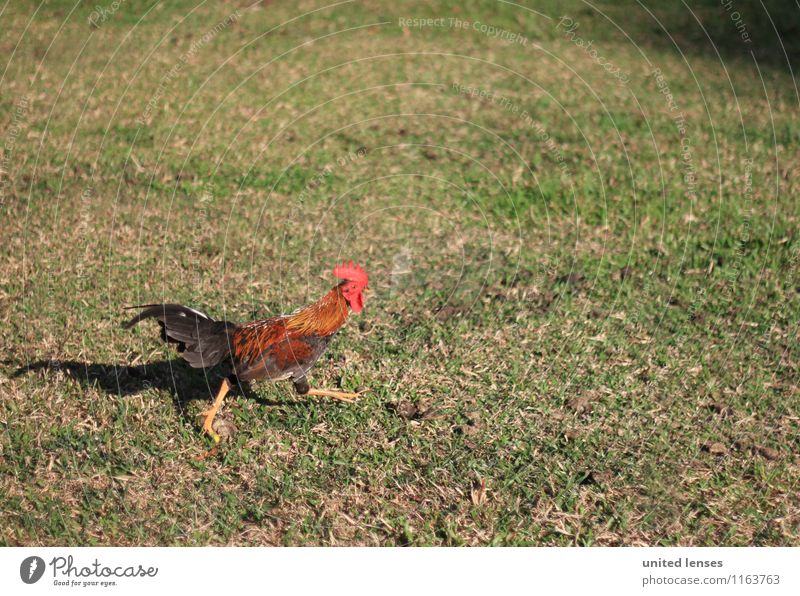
(354,284)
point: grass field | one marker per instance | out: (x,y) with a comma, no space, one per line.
(580,222)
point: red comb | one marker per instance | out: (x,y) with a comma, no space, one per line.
(351,272)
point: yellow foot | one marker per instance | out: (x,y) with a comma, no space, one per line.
(345,396)
(209,417)
(207,425)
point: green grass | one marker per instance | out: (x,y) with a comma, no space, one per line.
(553,318)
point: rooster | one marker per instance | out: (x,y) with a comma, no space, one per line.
(284,347)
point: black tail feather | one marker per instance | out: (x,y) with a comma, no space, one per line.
(201,340)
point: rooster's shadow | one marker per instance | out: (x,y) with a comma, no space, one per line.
(184,383)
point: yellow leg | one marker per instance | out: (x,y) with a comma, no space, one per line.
(211,412)
(340,395)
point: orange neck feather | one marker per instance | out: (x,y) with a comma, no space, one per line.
(323,318)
